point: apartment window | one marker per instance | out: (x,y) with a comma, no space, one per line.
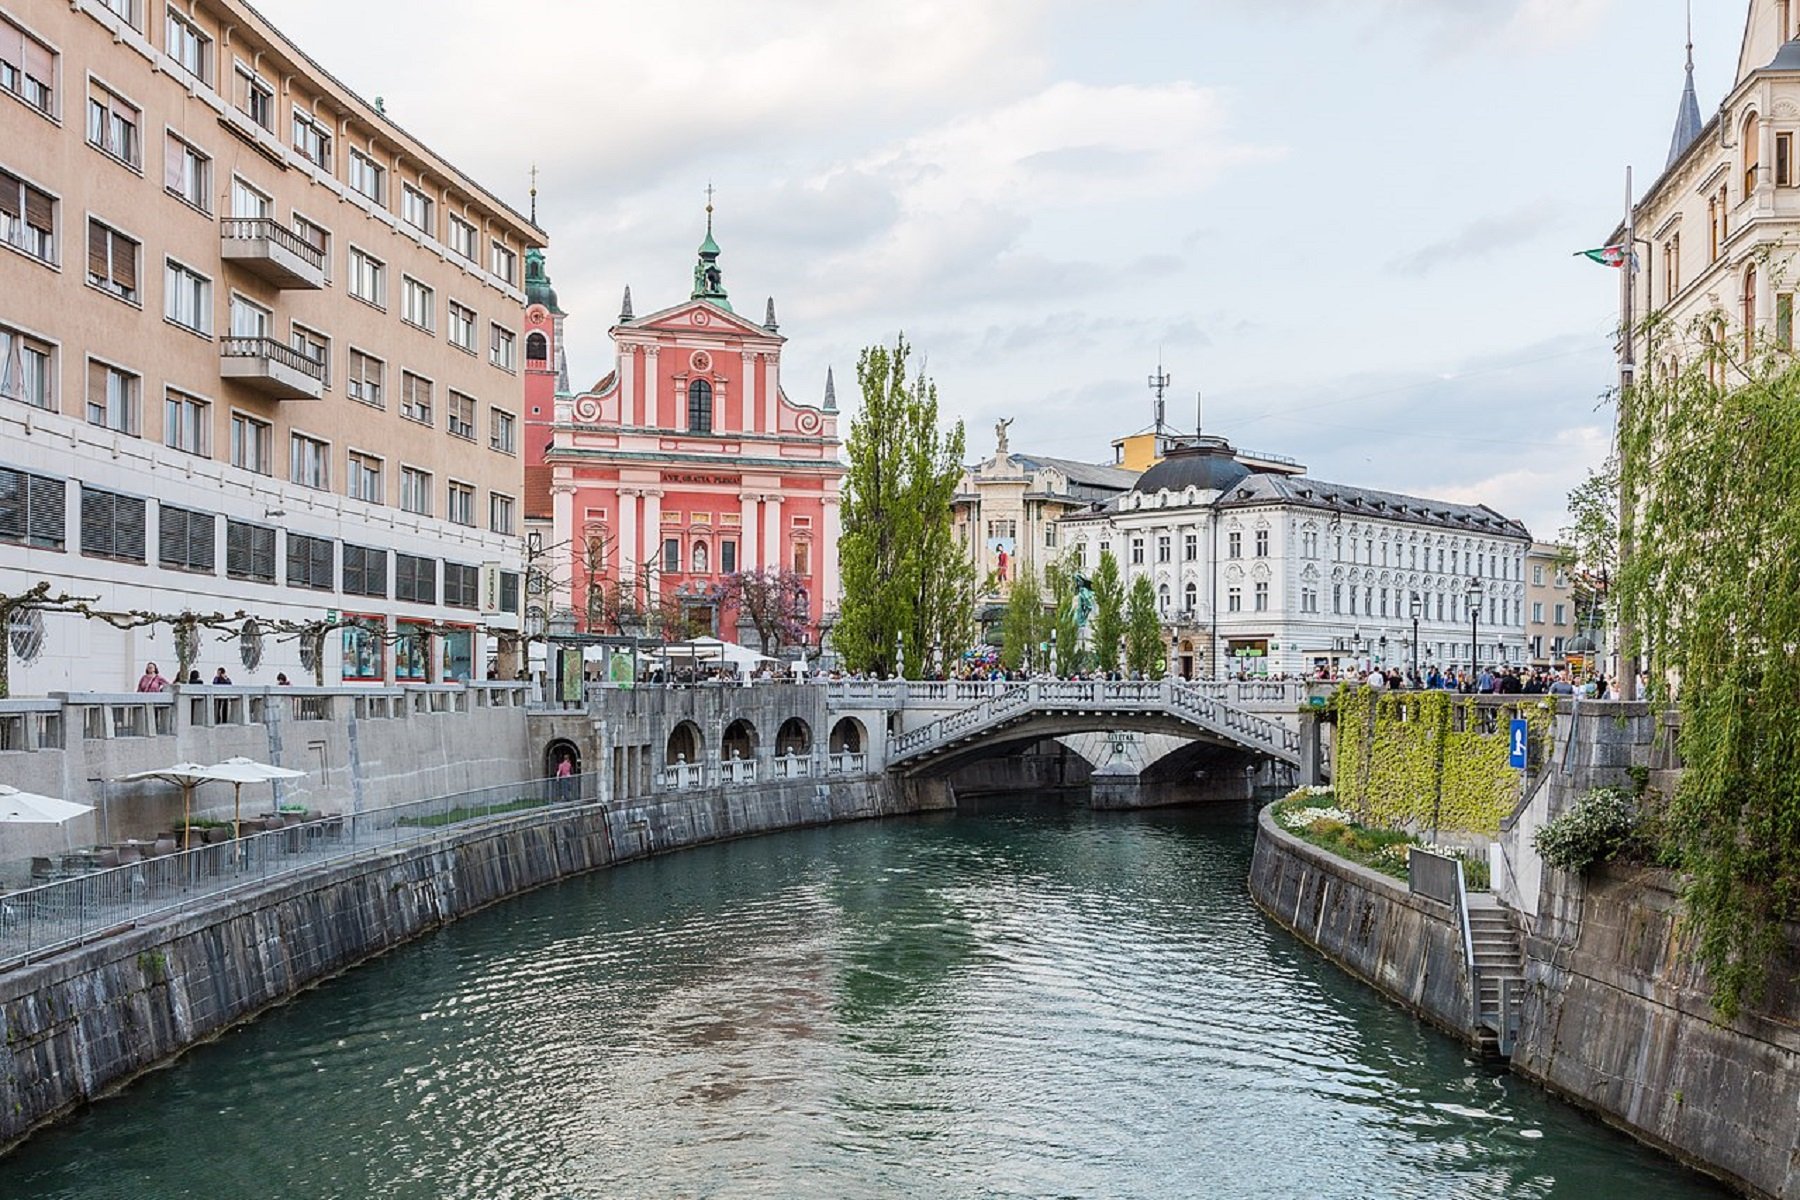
(415,578)
(1162,547)
(311,563)
(250,202)
(364,482)
(506,264)
(1337,598)
(27,218)
(112,261)
(312,140)
(509,591)
(501,350)
(125,10)
(33,509)
(1190,598)
(415,491)
(27,68)
(1234,600)
(1262,597)
(113,124)
(252,442)
(502,431)
(187,45)
(415,208)
(309,462)
(727,558)
(462,327)
(368,278)
(461,508)
(112,398)
(1562,614)
(1137,551)
(187,297)
(1440,606)
(1537,575)
(367,176)
(248,318)
(1384,603)
(254,96)
(500,513)
(416,303)
(1190,547)
(415,397)
(1537,612)
(187,423)
(462,238)
(1672,266)
(365,571)
(26,368)
(462,416)
(187,173)
(362,379)
(184,538)
(1262,545)
(314,345)
(1784,159)
(316,236)
(462,585)
(112,526)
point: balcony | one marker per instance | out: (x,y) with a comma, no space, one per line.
(272,252)
(271,367)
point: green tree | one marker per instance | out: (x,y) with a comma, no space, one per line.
(908,587)
(1591,539)
(1712,481)
(1025,624)
(1109,612)
(1144,653)
(1063,576)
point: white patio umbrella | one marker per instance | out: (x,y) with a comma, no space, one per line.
(240,770)
(29,808)
(186,775)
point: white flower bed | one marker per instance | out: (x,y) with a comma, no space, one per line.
(1302,818)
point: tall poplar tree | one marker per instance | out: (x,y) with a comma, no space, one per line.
(908,585)
(1109,612)
(1025,624)
(1143,631)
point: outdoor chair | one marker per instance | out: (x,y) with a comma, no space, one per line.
(41,869)
(109,859)
(130,855)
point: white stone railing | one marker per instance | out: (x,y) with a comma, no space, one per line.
(846,762)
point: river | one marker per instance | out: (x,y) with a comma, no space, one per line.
(1018,1001)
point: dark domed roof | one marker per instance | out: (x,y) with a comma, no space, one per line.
(1207,464)
(1787,58)
(537,282)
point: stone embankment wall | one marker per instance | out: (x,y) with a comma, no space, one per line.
(88,1020)
(1617,1018)
(1406,946)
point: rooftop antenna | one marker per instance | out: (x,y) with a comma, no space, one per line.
(1159,383)
(1199,413)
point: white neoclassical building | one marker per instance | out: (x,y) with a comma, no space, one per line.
(1260,568)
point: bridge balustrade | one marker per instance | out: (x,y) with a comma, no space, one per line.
(846,763)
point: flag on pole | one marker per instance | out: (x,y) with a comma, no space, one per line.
(1609,256)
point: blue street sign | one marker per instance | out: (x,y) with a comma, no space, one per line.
(1521,733)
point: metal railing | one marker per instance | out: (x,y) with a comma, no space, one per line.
(280,352)
(53,916)
(265,229)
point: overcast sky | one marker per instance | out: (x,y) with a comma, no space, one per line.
(1348,223)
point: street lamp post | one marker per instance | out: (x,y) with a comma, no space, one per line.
(1383,645)
(1418,607)
(1052,663)
(1474,597)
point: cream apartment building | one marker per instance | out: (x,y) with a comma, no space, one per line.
(259,350)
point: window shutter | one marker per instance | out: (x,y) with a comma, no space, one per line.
(128,532)
(200,541)
(237,548)
(96,522)
(171,536)
(375,567)
(353,569)
(15,498)
(38,208)
(262,552)
(124,264)
(10,188)
(97,239)
(12,44)
(174,163)
(40,63)
(322,563)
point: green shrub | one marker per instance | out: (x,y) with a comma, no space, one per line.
(1593,829)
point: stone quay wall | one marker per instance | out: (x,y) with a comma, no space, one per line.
(1406,946)
(87,1021)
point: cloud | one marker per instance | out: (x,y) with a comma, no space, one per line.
(1479,239)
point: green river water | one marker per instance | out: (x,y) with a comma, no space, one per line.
(1020,1000)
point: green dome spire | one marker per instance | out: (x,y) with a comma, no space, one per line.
(537,282)
(709,281)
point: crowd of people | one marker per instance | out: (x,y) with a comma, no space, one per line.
(1497,681)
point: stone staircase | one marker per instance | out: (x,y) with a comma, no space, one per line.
(1499,970)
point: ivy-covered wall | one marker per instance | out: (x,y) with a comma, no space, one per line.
(1424,759)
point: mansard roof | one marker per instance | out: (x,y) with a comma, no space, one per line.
(1344,499)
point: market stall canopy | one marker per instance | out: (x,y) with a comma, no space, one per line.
(29,808)
(714,650)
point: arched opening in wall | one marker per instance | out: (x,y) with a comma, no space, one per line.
(700,406)
(1187,658)
(684,744)
(794,737)
(848,736)
(1751,141)
(537,349)
(739,741)
(558,750)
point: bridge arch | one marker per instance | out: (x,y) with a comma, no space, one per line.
(794,737)
(739,741)
(686,744)
(848,736)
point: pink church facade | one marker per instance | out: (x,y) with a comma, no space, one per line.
(683,465)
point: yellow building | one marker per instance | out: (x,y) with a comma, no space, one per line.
(258,350)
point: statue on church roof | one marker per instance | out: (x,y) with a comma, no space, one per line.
(709,281)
